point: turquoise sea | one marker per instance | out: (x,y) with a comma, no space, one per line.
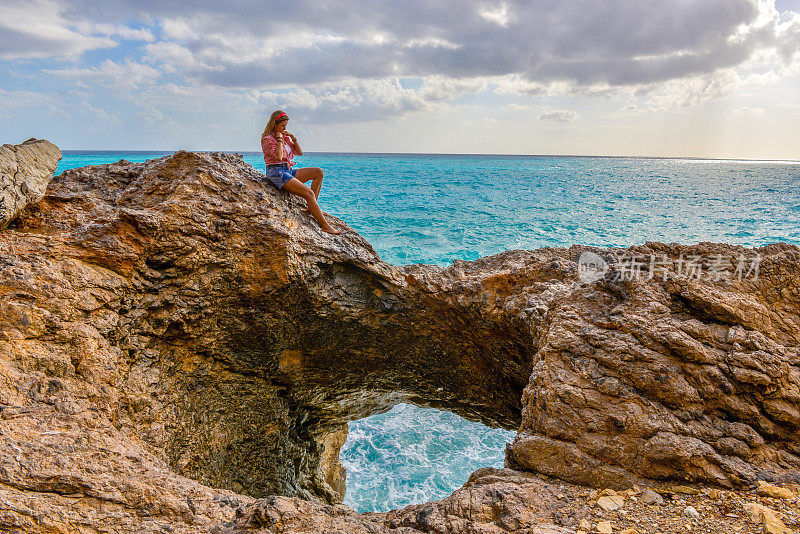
(425,208)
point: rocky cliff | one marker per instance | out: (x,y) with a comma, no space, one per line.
(25,171)
(175,326)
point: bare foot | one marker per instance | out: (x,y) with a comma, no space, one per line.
(330,229)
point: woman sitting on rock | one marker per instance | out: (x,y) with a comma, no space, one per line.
(279,146)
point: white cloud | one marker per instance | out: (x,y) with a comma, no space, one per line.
(177,29)
(172,57)
(37,30)
(441,88)
(352,101)
(684,92)
(431,42)
(115,30)
(747,110)
(15,101)
(95,117)
(516,85)
(117,75)
(498,14)
(559,115)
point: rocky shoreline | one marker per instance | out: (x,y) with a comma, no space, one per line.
(181,348)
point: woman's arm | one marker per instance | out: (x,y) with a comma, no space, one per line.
(279,152)
(297,149)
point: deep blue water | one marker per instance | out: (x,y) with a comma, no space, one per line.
(438,208)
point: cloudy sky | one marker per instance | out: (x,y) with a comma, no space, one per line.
(705,78)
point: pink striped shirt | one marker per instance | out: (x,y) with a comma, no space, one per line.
(268,146)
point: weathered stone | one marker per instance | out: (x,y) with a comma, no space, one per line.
(770,490)
(491,501)
(705,387)
(651,497)
(605,527)
(25,171)
(685,490)
(611,503)
(766,516)
(179,319)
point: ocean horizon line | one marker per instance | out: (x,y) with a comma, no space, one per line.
(463,154)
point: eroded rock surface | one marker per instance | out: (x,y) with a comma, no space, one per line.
(178,325)
(25,171)
(671,378)
(491,501)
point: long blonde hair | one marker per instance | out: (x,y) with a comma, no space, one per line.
(271,123)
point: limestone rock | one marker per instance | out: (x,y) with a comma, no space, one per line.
(685,490)
(181,346)
(609,504)
(651,497)
(667,377)
(770,490)
(25,171)
(691,511)
(492,500)
(766,517)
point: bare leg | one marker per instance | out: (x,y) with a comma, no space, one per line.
(314,174)
(300,189)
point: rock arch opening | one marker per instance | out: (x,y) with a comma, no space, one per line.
(411,455)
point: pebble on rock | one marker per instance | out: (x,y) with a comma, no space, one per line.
(765,489)
(691,511)
(651,497)
(609,504)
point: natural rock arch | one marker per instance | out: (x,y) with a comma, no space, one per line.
(183,303)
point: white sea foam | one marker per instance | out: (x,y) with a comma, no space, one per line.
(411,455)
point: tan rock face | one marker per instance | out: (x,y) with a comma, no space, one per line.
(669,378)
(767,518)
(181,318)
(491,501)
(25,171)
(187,309)
(611,503)
(770,490)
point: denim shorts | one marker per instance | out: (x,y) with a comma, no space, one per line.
(279,175)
